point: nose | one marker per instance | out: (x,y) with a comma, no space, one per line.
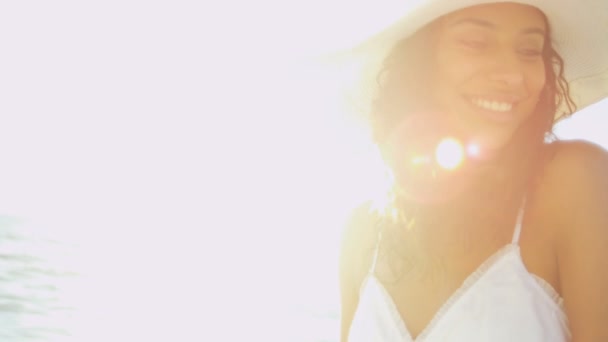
(507,77)
(506,70)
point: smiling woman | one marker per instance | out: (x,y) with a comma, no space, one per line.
(493,230)
(490,70)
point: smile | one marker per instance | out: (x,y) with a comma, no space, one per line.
(496,106)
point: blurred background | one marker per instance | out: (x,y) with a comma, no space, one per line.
(178,170)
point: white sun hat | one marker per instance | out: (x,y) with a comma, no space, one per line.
(579,30)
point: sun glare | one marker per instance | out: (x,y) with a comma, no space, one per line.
(473,150)
(449,153)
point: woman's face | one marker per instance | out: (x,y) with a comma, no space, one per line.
(489,72)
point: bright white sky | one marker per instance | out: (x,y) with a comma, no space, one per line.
(589,124)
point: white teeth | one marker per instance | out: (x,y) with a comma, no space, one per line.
(492,105)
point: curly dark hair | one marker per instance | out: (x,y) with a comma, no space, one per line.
(402,90)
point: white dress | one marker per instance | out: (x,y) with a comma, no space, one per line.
(501,301)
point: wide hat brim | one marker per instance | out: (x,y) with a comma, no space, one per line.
(579,30)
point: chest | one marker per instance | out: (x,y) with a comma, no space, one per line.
(430,282)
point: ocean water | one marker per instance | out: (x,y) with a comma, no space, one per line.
(149,288)
(34,281)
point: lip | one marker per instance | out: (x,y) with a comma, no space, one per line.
(499,97)
(491,115)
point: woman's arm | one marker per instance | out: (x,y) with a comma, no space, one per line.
(348,296)
(579,187)
(355,239)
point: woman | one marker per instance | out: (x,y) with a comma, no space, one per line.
(511,242)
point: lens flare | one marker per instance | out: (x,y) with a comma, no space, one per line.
(473,150)
(449,153)
(421,160)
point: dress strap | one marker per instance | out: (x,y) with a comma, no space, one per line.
(518,224)
(372,269)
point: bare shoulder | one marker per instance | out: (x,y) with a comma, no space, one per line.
(358,238)
(574,192)
(576,175)
(577,158)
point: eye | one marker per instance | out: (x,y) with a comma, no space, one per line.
(473,43)
(530,48)
(530,53)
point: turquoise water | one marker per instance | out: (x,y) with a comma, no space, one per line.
(153,289)
(33,284)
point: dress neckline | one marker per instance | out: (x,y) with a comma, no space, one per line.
(470,281)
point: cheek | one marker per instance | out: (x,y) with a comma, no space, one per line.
(535,83)
(450,73)
(536,80)
(454,68)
